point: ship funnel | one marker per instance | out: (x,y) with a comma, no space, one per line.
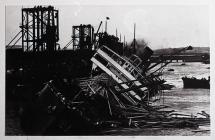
(146,54)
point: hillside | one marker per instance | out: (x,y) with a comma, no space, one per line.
(196,50)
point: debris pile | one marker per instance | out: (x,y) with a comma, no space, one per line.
(97,108)
(118,97)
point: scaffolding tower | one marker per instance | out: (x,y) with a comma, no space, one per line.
(83,36)
(40,29)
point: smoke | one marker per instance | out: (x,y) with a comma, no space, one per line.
(140,45)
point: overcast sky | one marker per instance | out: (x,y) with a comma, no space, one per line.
(161,26)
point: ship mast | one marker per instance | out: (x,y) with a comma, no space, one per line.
(134,41)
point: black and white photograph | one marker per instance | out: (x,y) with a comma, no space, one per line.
(107,69)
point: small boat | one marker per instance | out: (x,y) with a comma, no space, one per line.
(196,83)
(167,86)
(182,64)
(170,69)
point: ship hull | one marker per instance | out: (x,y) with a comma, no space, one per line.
(195,83)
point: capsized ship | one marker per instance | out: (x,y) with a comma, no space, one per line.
(127,72)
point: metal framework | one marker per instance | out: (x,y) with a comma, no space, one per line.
(83,36)
(40,30)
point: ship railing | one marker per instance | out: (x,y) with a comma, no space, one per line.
(135,60)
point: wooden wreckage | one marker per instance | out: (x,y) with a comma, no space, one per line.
(119,97)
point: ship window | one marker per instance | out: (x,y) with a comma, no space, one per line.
(134,73)
(135,63)
(132,58)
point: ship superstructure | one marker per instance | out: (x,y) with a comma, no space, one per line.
(125,71)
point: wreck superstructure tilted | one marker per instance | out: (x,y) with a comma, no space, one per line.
(125,71)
